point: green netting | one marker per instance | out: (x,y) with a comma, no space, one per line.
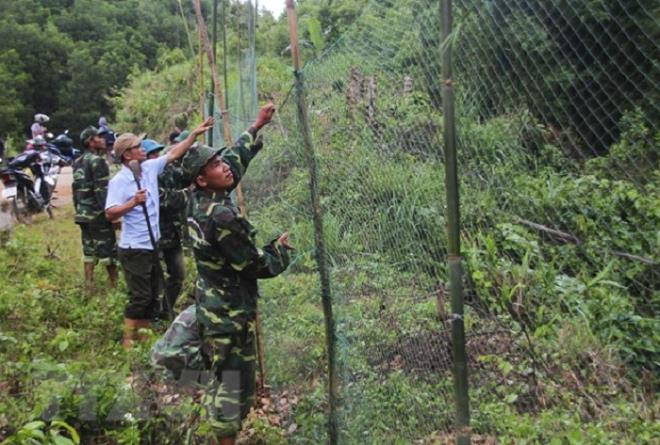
(557,113)
(241,71)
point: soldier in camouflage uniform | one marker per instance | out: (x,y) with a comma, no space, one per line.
(228,264)
(173,198)
(90,187)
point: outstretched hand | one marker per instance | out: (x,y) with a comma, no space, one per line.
(284,241)
(204,126)
(265,115)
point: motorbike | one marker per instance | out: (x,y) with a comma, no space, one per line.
(30,196)
(64,144)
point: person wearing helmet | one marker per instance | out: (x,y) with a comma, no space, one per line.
(90,189)
(109,136)
(38,128)
(173,194)
(229,262)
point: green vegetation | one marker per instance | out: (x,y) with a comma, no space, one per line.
(560,238)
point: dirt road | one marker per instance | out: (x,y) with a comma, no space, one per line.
(63,190)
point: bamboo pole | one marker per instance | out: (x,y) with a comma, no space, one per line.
(185,26)
(261,353)
(453,234)
(218,92)
(214,37)
(324,276)
(224,51)
(201,77)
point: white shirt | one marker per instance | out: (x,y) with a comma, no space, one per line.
(122,187)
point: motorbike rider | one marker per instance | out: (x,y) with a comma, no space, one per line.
(38,128)
(109,135)
(39,144)
(90,188)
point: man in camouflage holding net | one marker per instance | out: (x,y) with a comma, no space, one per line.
(229,264)
(90,188)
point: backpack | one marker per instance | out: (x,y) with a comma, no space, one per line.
(180,348)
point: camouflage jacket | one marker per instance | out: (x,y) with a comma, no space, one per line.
(173,198)
(227,258)
(90,187)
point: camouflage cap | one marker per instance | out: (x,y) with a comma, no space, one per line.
(126,141)
(87,134)
(196,159)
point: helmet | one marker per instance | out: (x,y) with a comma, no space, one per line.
(41,118)
(150,146)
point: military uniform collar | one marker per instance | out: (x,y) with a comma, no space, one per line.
(214,196)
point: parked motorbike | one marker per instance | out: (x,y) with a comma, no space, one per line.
(30,196)
(64,144)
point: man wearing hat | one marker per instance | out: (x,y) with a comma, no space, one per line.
(228,264)
(90,188)
(173,196)
(139,209)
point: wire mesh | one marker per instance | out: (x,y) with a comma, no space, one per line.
(557,126)
(241,97)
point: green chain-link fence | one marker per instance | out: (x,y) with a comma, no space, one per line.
(557,114)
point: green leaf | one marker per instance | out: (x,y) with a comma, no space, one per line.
(35,425)
(60,440)
(72,431)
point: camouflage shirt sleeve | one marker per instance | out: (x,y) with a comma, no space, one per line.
(241,153)
(172,189)
(101,175)
(234,237)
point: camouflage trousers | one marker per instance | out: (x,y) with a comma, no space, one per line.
(231,391)
(99,243)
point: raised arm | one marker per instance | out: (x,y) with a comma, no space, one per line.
(178,150)
(248,144)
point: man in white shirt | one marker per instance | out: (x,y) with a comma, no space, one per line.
(138,252)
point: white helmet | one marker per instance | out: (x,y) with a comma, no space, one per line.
(41,118)
(39,141)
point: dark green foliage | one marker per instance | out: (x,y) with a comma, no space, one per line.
(579,65)
(66,58)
